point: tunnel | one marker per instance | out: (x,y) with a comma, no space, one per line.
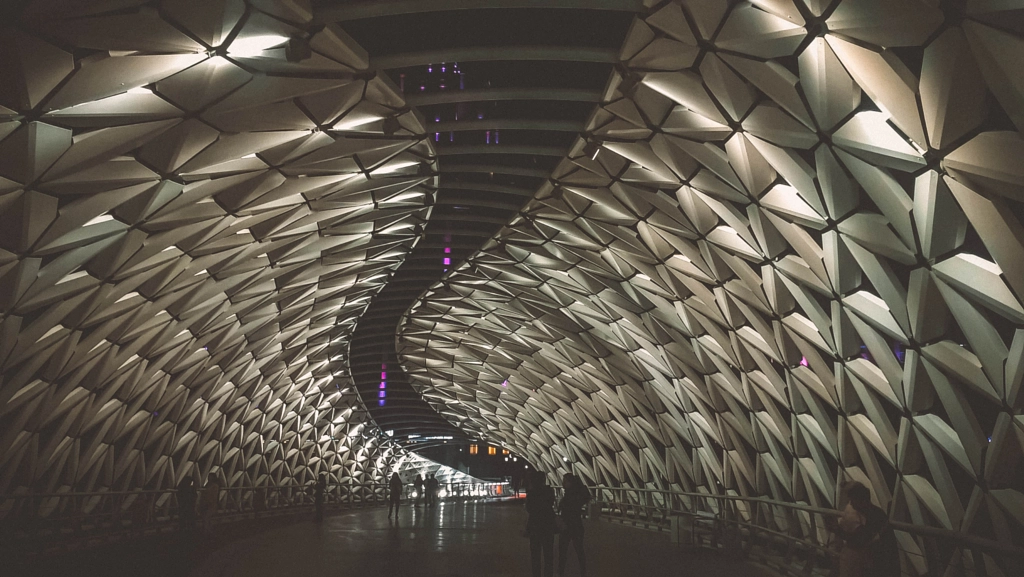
(723,263)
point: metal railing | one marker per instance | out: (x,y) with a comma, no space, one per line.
(40,521)
(793,538)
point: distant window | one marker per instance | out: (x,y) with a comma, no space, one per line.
(504,451)
(473,449)
(492,450)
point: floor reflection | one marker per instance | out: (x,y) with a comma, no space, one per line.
(451,540)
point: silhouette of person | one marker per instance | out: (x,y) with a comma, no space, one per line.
(394,494)
(319,495)
(187,498)
(418,485)
(209,501)
(540,525)
(431,489)
(571,506)
(869,544)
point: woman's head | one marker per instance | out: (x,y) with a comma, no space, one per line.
(860,496)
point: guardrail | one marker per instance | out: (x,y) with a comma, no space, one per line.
(792,538)
(41,521)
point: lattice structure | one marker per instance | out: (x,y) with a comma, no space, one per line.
(197,202)
(787,254)
(411,464)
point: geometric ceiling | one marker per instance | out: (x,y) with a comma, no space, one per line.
(194,212)
(499,120)
(786,252)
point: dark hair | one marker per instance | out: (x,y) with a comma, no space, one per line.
(858,492)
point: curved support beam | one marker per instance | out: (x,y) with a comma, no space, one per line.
(500,149)
(323,12)
(506,124)
(496,53)
(490,94)
(495,169)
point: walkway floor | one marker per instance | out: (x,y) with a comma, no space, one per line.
(454,540)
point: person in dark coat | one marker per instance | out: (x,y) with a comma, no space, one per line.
(869,544)
(319,495)
(394,494)
(187,498)
(435,487)
(570,508)
(540,526)
(417,484)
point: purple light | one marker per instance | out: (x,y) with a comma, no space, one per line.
(422,87)
(480,116)
(383,375)
(447,261)
(383,384)
(430,68)
(488,137)
(504,383)
(382,394)
(497,133)
(380,403)
(447,250)
(803,362)
(437,136)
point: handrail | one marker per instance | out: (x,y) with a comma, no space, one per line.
(7,496)
(897,525)
(928,550)
(42,521)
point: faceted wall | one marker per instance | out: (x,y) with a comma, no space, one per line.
(787,254)
(194,212)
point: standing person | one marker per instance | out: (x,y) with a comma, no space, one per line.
(417,484)
(540,526)
(394,494)
(187,498)
(209,501)
(571,507)
(319,494)
(869,544)
(431,491)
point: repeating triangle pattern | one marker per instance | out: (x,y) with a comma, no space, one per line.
(191,223)
(786,254)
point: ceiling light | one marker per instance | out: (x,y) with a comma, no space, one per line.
(254,45)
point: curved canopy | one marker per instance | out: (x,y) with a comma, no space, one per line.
(786,255)
(760,248)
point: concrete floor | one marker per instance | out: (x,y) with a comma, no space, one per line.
(455,540)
